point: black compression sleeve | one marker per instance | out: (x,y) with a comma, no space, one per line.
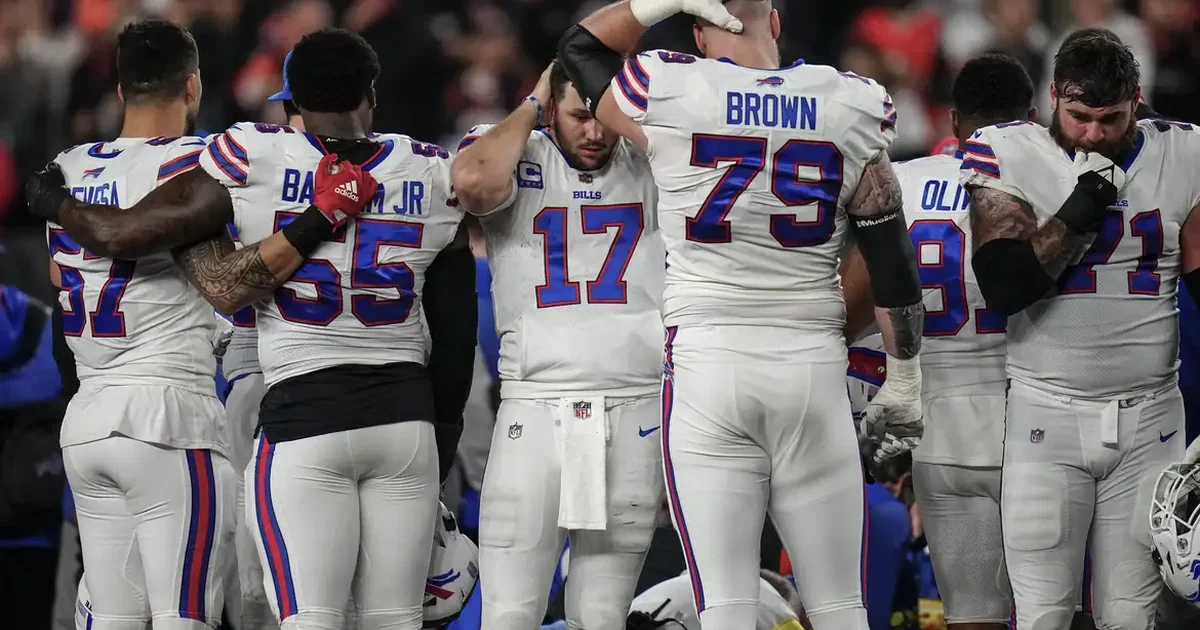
(1010,275)
(891,263)
(451,310)
(307,231)
(1191,280)
(589,64)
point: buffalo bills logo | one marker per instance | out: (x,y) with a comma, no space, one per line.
(93,172)
(770,82)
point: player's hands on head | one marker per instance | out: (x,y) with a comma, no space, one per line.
(650,12)
(45,192)
(542,91)
(341,190)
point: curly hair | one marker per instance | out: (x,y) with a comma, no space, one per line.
(332,71)
(155,59)
(993,89)
(1096,69)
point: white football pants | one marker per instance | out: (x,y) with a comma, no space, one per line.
(756,420)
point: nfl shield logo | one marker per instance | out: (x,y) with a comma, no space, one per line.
(1036,436)
(583,409)
(514,431)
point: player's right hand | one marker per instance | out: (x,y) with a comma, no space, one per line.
(542,91)
(341,190)
(893,422)
(650,12)
(1102,177)
(45,192)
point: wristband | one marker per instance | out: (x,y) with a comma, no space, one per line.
(307,231)
(540,122)
(651,12)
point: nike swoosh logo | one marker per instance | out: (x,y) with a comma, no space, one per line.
(644,432)
(1164,438)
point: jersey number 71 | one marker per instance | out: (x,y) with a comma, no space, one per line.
(749,157)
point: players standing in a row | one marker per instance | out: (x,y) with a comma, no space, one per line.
(755,416)
(567,207)
(338,402)
(1098,212)
(956,468)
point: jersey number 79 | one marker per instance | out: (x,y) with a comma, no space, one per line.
(749,157)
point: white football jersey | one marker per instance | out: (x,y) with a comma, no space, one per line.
(241,357)
(673,599)
(131,320)
(357,299)
(754,169)
(1112,329)
(962,354)
(577,276)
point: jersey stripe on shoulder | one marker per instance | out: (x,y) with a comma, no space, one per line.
(634,83)
(225,157)
(979,156)
(181,164)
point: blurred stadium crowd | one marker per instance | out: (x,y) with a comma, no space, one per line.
(447,65)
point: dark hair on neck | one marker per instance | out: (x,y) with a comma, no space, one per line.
(1096,69)
(992,89)
(558,80)
(332,71)
(154,60)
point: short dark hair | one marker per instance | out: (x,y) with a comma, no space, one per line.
(289,109)
(154,59)
(332,71)
(1096,69)
(992,89)
(558,80)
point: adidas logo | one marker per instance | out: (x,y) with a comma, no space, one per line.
(348,190)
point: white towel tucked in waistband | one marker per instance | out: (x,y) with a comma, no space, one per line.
(583,447)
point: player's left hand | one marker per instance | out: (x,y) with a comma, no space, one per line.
(650,12)
(893,422)
(45,192)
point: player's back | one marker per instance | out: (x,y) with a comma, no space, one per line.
(754,169)
(131,321)
(1111,329)
(357,299)
(962,355)
(577,276)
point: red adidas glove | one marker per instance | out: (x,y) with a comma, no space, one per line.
(341,190)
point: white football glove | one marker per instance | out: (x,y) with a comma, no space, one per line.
(1192,456)
(221,338)
(651,12)
(892,423)
(1093,161)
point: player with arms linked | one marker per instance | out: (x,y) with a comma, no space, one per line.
(956,468)
(346,456)
(760,171)
(568,212)
(143,439)
(1079,241)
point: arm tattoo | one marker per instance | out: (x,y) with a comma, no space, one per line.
(230,278)
(908,324)
(995,214)
(170,216)
(878,191)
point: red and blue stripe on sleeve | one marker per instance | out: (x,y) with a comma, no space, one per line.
(634,82)
(979,157)
(230,157)
(181,164)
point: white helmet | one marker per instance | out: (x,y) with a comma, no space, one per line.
(453,571)
(1174,525)
(866,372)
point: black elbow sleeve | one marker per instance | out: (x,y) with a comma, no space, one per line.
(891,263)
(451,310)
(589,63)
(1009,275)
